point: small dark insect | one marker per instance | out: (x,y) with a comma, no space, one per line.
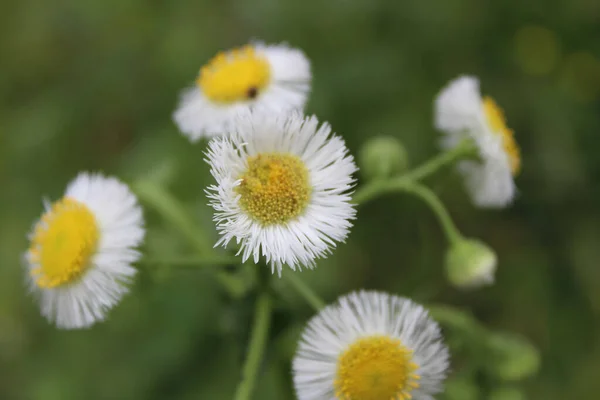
(252,92)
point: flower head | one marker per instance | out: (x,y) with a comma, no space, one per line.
(282,188)
(272,78)
(81,251)
(461,112)
(370,346)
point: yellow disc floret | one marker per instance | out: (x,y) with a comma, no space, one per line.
(238,75)
(63,243)
(376,368)
(495,118)
(275,188)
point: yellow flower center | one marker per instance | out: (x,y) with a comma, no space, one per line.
(275,188)
(62,243)
(495,118)
(376,368)
(238,75)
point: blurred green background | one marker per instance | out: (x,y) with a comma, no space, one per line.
(91,85)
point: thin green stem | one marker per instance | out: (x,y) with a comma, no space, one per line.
(173,212)
(465,149)
(304,290)
(374,189)
(463,325)
(451,231)
(430,198)
(256,348)
(371,190)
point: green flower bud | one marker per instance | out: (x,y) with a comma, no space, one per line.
(507,393)
(470,264)
(382,157)
(512,358)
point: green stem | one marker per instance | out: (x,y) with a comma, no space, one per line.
(256,348)
(304,290)
(462,324)
(452,233)
(374,189)
(371,190)
(465,149)
(430,198)
(173,212)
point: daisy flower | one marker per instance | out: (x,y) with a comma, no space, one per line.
(270,78)
(461,112)
(370,346)
(282,188)
(79,261)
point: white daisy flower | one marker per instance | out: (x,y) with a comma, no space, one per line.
(370,346)
(271,78)
(79,260)
(461,112)
(282,188)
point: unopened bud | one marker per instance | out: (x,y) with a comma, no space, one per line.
(382,157)
(470,264)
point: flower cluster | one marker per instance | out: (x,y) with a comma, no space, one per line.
(283,195)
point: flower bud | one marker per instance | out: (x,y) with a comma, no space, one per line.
(470,264)
(382,157)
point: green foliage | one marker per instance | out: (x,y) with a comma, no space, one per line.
(507,393)
(511,358)
(461,388)
(91,85)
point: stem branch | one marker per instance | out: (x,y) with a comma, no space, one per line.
(371,190)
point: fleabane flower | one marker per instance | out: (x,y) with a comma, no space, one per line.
(370,346)
(282,189)
(461,112)
(79,261)
(269,78)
